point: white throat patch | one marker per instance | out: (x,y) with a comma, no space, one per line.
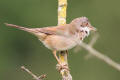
(86,30)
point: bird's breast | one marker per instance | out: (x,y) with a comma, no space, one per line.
(59,43)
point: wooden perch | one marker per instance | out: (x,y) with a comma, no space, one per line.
(33,75)
(65,73)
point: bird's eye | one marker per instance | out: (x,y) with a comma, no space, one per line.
(86,24)
(81,25)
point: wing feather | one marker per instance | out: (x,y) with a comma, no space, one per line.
(59,30)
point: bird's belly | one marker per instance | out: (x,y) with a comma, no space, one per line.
(59,43)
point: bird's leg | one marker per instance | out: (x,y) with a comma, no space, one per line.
(54,53)
(59,65)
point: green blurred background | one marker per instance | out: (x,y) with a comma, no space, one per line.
(19,48)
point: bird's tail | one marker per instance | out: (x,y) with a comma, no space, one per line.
(20,27)
(34,31)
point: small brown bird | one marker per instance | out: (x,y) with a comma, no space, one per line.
(63,37)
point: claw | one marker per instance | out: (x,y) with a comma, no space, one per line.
(59,67)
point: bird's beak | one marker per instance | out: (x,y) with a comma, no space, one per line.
(92,28)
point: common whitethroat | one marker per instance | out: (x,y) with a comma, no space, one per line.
(62,37)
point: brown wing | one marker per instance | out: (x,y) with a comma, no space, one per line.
(59,30)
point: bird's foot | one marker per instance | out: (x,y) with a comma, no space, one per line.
(59,67)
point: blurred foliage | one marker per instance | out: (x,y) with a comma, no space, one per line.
(19,48)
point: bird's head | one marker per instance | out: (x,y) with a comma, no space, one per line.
(83,25)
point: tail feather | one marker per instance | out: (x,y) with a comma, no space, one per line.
(20,27)
(36,31)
